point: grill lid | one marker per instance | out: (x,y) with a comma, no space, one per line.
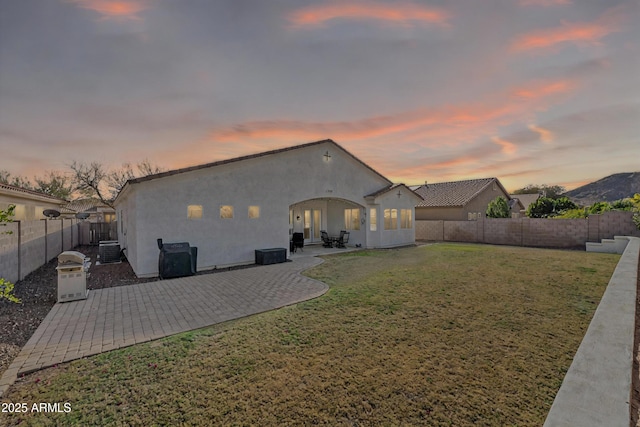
(71,257)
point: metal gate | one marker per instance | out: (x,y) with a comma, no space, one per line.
(102,231)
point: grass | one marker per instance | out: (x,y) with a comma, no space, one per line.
(437,335)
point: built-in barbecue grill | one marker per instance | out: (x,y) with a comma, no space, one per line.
(176,259)
(73,272)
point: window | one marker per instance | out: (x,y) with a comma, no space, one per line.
(254,212)
(352,219)
(390,219)
(373,219)
(226,212)
(194,211)
(109,217)
(405,218)
(471,216)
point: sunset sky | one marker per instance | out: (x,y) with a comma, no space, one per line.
(529,91)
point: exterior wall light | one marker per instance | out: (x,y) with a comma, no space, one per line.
(327,156)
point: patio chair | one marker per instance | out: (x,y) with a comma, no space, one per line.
(326,240)
(343,240)
(298,241)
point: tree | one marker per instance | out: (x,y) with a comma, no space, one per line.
(16,181)
(6,287)
(55,184)
(89,180)
(563,204)
(550,191)
(95,180)
(541,208)
(498,208)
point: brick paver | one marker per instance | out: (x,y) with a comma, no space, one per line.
(122,316)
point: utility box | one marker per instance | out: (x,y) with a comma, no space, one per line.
(73,272)
(271,256)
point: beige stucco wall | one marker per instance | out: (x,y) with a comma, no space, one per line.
(27,208)
(158,208)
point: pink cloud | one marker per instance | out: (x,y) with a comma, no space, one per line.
(545,134)
(580,33)
(507,147)
(427,130)
(397,13)
(114,9)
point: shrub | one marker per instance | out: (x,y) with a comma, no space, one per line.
(563,204)
(541,208)
(6,287)
(498,208)
(572,214)
(6,291)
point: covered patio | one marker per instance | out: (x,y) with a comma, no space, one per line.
(332,215)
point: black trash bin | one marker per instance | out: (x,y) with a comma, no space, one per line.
(177,259)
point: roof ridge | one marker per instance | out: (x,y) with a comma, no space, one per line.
(28,191)
(247,157)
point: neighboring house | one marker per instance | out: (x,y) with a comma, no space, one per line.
(97,211)
(30,204)
(458,200)
(230,208)
(525,201)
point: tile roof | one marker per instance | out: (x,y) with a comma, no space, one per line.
(26,192)
(454,193)
(83,205)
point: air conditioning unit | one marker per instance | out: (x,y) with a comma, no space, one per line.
(109,251)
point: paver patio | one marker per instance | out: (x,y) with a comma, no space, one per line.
(122,316)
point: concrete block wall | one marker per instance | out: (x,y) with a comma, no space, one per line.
(33,244)
(556,233)
(503,231)
(461,231)
(616,223)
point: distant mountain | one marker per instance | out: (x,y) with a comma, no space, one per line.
(613,187)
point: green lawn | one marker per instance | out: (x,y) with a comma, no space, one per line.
(445,334)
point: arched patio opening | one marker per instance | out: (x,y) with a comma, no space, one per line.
(332,215)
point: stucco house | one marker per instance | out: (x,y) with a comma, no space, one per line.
(230,208)
(459,200)
(30,204)
(525,201)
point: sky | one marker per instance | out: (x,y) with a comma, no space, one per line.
(528,91)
